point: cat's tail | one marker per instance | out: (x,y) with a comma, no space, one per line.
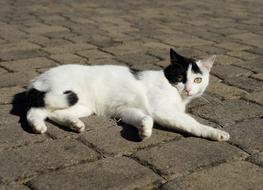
(51,100)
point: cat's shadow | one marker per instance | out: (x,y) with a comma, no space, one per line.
(129,132)
(19,108)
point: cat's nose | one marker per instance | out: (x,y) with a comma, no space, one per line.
(187,92)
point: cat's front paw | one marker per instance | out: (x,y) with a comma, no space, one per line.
(39,129)
(77,125)
(222,135)
(145,130)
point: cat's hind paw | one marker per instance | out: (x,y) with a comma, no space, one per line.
(77,125)
(222,136)
(145,130)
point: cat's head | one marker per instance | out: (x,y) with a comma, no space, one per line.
(188,75)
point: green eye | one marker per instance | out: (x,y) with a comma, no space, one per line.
(180,78)
(198,80)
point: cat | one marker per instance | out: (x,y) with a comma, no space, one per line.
(66,93)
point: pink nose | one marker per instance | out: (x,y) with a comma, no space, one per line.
(187,91)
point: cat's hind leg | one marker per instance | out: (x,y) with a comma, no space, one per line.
(138,119)
(70,117)
(36,119)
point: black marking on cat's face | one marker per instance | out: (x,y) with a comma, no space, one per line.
(135,72)
(35,98)
(72,97)
(177,71)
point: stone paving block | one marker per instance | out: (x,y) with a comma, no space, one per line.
(249,38)
(46,29)
(68,58)
(23,45)
(256,51)
(178,158)
(228,112)
(253,65)
(28,161)
(248,135)
(14,187)
(236,176)
(68,48)
(16,135)
(226,60)
(7,94)
(227,71)
(256,97)
(22,54)
(243,55)
(211,49)
(6,117)
(93,54)
(137,59)
(119,140)
(104,61)
(258,76)
(248,84)
(233,46)
(33,63)
(118,173)
(257,159)
(225,91)
(126,48)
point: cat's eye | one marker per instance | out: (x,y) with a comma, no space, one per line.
(198,80)
(180,78)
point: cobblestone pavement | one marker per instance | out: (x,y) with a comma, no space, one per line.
(37,35)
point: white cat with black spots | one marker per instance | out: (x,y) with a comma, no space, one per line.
(66,93)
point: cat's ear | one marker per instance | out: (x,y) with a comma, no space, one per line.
(208,62)
(175,57)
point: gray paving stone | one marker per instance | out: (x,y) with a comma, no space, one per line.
(7,94)
(178,158)
(227,92)
(119,140)
(227,71)
(229,111)
(248,84)
(118,173)
(14,187)
(235,176)
(28,161)
(255,97)
(137,59)
(33,63)
(248,135)
(257,159)
(69,48)
(253,65)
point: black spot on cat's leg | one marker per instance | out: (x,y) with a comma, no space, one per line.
(35,98)
(72,97)
(135,73)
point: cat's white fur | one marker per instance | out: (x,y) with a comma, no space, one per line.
(113,91)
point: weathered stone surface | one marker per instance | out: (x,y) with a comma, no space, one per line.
(255,97)
(123,139)
(225,91)
(30,160)
(257,159)
(68,48)
(137,59)
(229,111)
(233,46)
(248,135)
(226,71)
(92,55)
(235,176)
(248,84)
(7,94)
(243,55)
(258,76)
(226,60)
(118,173)
(68,58)
(16,78)
(182,157)
(14,187)
(23,65)
(254,65)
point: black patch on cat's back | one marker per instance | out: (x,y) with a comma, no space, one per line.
(35,98)
(135,72)
(72,97)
